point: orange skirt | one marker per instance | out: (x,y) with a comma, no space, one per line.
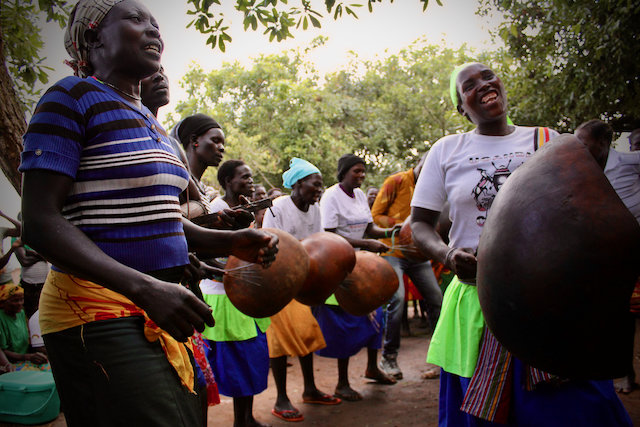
(294,332)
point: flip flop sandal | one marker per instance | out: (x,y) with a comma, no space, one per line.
(293,415)
(349,397)
(325,399)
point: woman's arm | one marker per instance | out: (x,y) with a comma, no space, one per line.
(5,257)
(171,306)
(15,223)
(5,365)
(375,232)
(35,358)
(248,244)
(425,237)
(366,244)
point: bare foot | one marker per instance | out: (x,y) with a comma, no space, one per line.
(380,377)
(431,374)
(347,393)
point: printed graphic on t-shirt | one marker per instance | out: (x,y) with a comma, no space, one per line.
(493,173)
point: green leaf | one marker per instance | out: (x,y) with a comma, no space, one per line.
(314,21)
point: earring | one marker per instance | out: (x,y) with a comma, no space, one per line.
(195,144)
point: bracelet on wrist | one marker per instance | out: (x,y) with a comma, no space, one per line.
(447,257)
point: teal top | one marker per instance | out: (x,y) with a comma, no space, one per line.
(14,332)
(455,344)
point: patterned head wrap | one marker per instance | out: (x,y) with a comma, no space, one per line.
(298,169)
(8,290)
(86,14)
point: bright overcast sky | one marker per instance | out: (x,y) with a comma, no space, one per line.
(389,28)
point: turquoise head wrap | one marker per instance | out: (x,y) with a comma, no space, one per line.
(298,169)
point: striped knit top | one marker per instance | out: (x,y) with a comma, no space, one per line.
(127,177)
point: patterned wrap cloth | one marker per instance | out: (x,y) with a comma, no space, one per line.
(68,301)
(10,289)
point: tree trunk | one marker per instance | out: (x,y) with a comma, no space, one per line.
(12,126)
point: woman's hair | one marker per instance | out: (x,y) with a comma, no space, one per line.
(273,190)
(346,162)
(598,130)
(197,125)
(227,170)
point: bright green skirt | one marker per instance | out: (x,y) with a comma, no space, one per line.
(456,340)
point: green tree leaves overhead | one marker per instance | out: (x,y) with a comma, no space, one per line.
(274,17)
(389,111)
(20,28)
(574,60)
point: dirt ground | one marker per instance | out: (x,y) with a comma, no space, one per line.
(411,402)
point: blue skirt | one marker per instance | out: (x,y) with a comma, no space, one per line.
(346,334)
(240,367)
(576,403)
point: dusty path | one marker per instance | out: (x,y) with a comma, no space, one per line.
(411,402)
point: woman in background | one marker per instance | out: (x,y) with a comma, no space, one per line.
(100,202)
(238,351)
(345,211)
(294,331)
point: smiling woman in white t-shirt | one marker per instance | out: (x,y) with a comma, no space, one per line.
(468,170)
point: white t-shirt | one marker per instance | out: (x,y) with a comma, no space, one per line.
(349,216)
(623,172)
(291,219)
(218,204)
(468,169)
(35,336)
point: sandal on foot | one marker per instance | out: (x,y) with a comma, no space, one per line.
(322,399)
(351,397)
(288,415)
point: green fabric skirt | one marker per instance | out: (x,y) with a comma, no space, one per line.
(456,340)
(231,323)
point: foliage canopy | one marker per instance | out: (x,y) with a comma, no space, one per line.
(276,17)
(19,26)
(389,111)
(576,59)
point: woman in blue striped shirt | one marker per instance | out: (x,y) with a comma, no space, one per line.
(100,201)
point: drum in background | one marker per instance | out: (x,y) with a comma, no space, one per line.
(557,261)
(407,247)
(371,283)
(331,258)
(262,292)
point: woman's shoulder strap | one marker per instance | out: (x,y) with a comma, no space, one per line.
(540,136)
